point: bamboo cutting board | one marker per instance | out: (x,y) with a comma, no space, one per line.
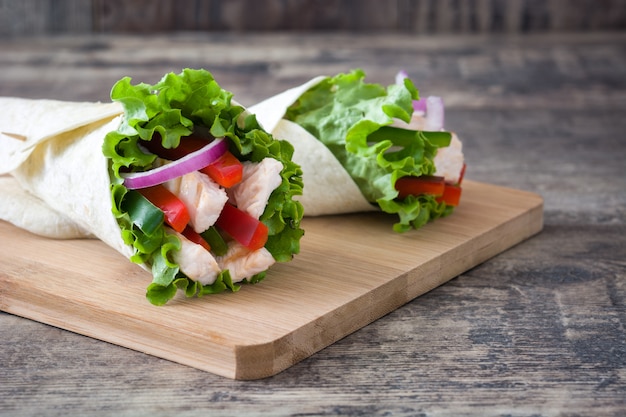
(352,270)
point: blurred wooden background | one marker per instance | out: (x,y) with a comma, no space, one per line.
(19,18)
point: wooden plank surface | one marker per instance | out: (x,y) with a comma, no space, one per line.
(537,331)
(40,17)
(351,271)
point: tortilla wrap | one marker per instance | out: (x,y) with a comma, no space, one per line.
(355,140)
(328,189)
(50,148)
(66,168)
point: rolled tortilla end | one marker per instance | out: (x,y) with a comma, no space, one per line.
(60,169)
(328,188)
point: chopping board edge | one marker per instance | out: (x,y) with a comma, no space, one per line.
(287,351)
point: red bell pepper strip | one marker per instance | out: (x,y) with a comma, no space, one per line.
(451,195)
(242,227)
(425,184)
(227,170)
(176,214)
(195,237)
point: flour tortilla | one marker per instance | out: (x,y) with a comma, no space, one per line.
(328,188)
(30,213)
(58,184)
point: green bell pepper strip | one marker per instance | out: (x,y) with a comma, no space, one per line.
(142,212)
(216,241)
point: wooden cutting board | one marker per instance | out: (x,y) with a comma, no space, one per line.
(352,270)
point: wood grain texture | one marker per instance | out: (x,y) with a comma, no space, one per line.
(351,271)
(45,17)
(536,331)
(28,17)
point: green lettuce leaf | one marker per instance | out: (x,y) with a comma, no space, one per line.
(170,109)
(352,118)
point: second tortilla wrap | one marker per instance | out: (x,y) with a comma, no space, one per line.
(345,114)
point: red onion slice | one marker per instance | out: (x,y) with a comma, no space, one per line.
(189,163)
(419,106)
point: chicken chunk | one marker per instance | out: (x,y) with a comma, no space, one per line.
(449,160)
(243,263)
(259,181)
(203,198)
(196,262)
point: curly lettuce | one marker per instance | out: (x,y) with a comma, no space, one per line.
(353,120)
(174,107)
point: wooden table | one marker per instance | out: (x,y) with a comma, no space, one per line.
(539,330)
